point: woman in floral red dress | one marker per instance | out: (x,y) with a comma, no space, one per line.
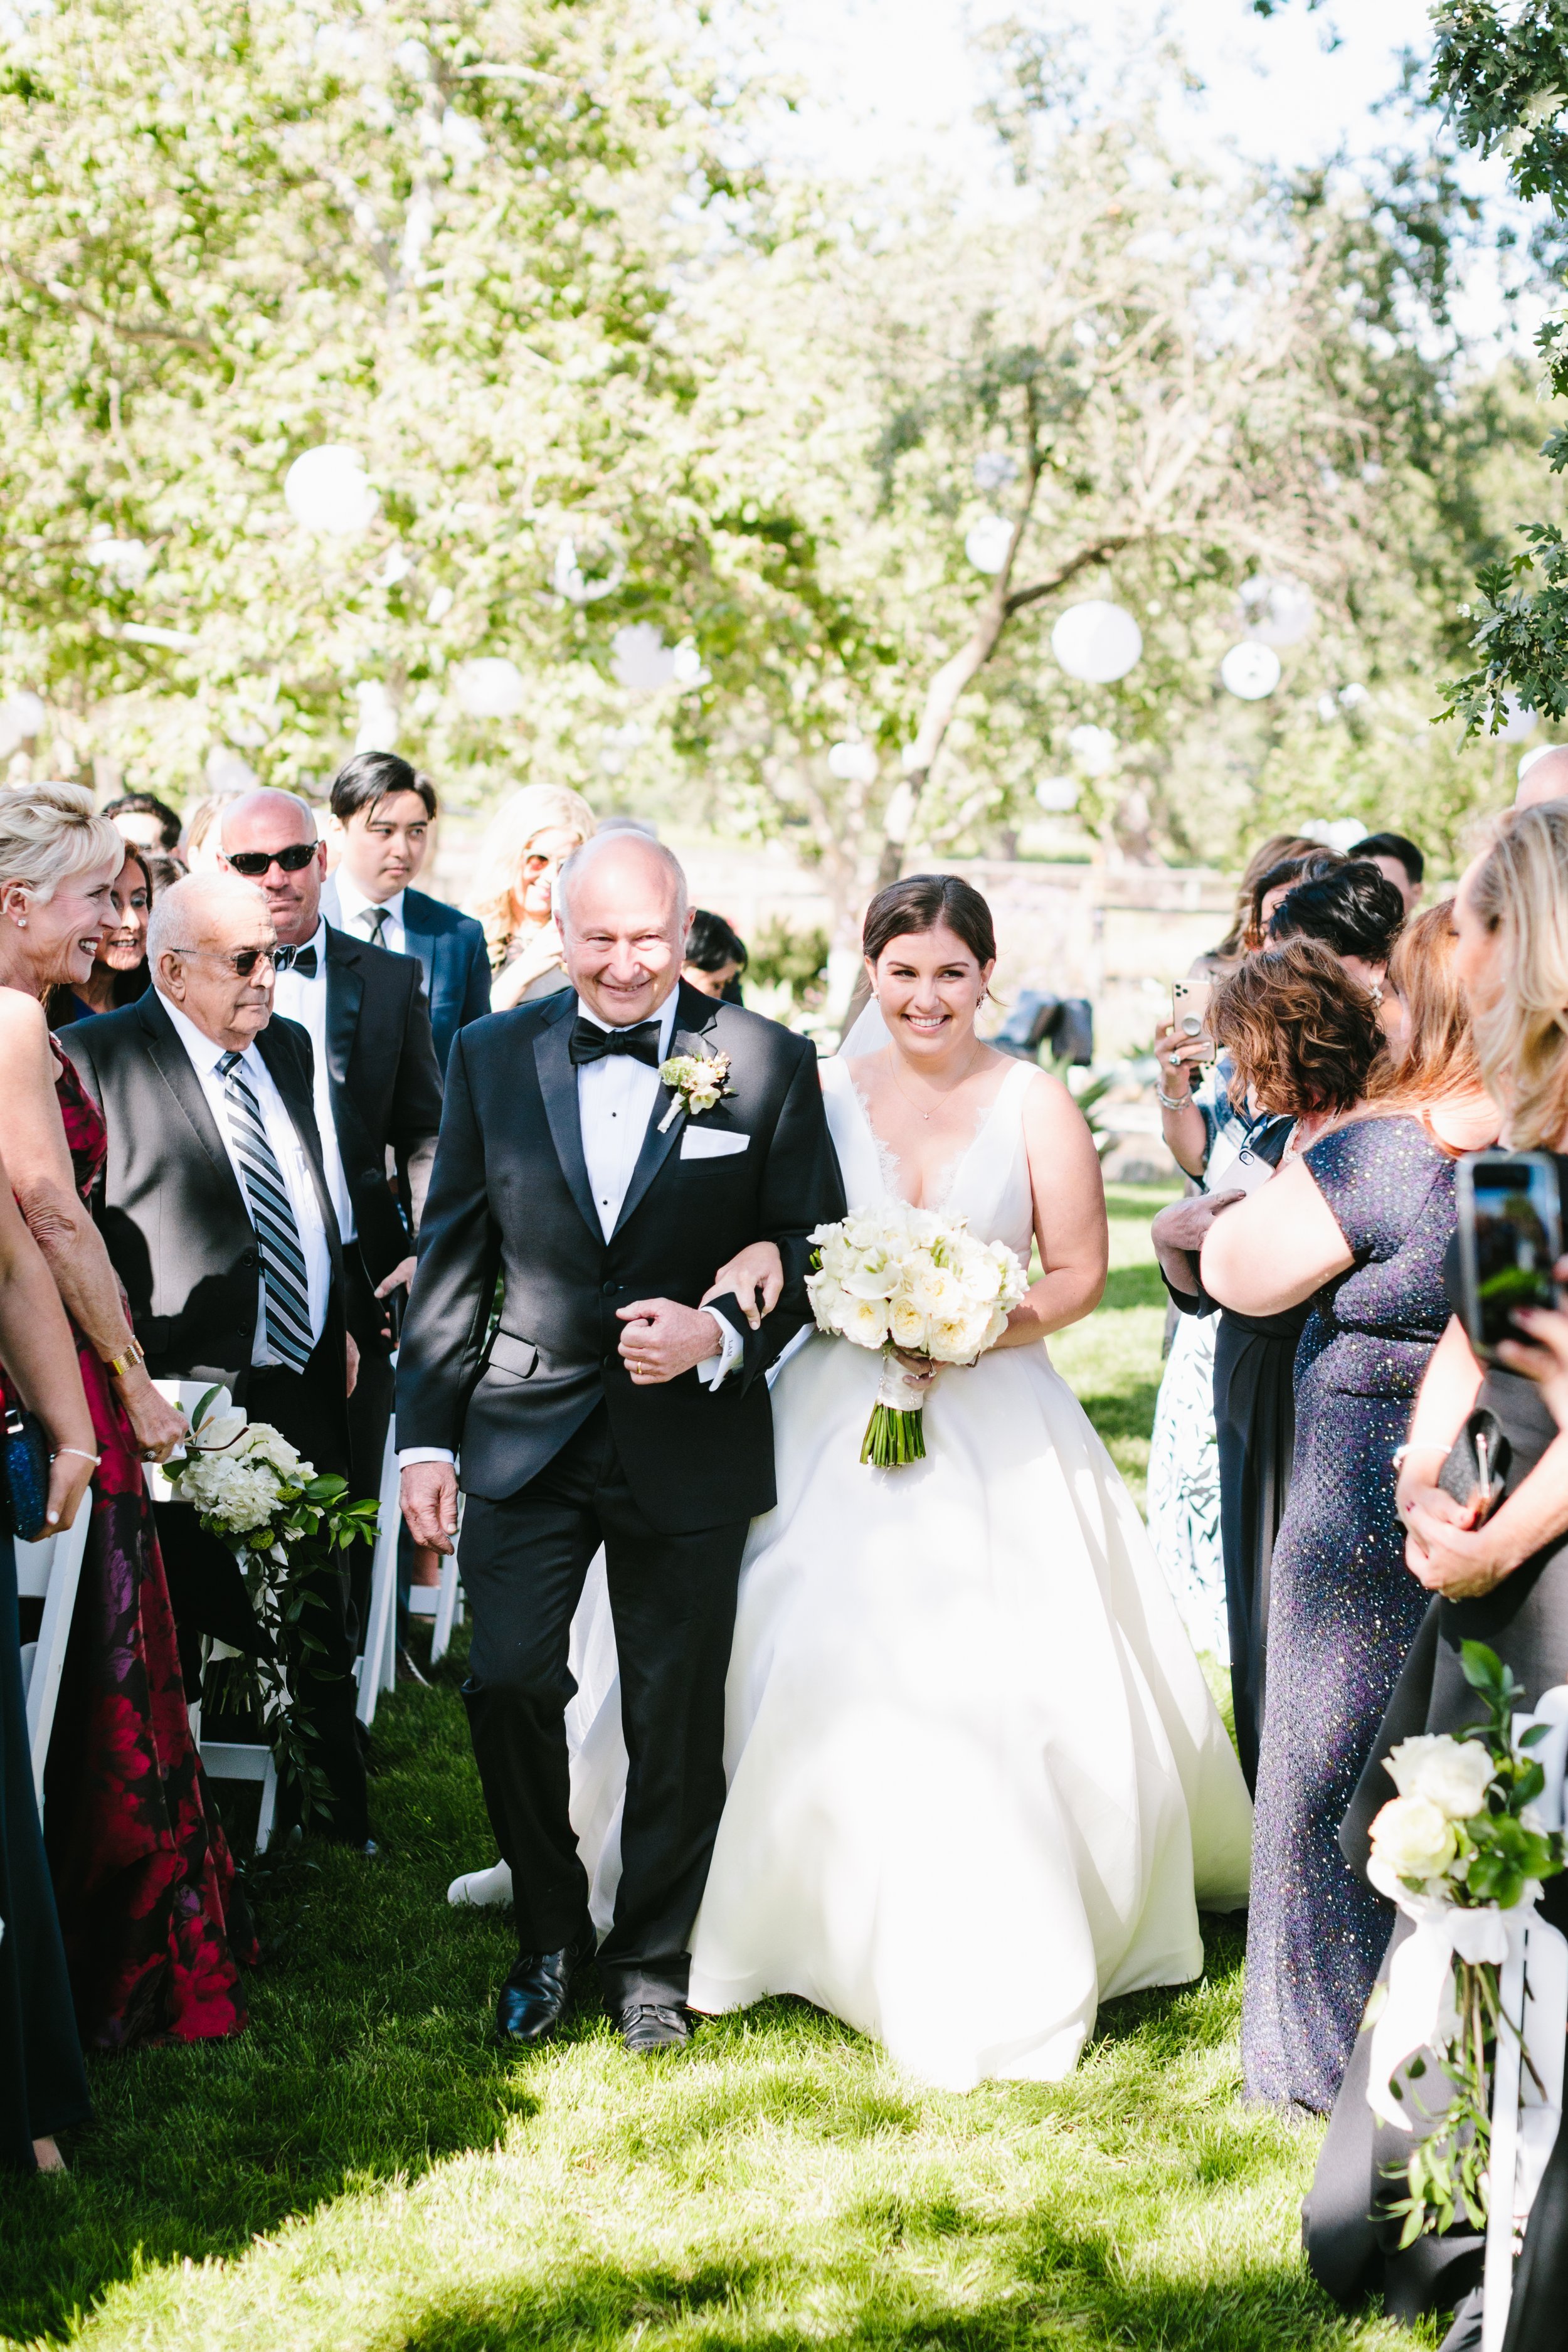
(154,1932)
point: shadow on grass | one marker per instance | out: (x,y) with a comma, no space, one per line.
(1122,1414)
(1133,1285)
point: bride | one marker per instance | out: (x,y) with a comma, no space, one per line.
(976,1782)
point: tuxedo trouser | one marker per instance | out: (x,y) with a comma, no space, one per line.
(369,1409)
(208,1593)
(672,1598)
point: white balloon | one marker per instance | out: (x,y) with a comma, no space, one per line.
(1094,749)
(1058,793)
(1250,671)
(640,659)
(852,763)
(1097,642)
(987,542)
(1277,610)
(325,490)
(489,688)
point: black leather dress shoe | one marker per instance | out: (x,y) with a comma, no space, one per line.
(654,2025)
(538,1993)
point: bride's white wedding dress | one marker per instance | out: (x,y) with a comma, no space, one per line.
(977,1783)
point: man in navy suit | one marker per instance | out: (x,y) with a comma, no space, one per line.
(382,812)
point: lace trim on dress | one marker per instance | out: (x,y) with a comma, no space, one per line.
(889,1163)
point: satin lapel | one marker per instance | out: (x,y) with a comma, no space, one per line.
(345,994)
(558,1085)
(694,1017)
(172,1063)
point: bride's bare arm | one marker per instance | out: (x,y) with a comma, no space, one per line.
(1069,1216)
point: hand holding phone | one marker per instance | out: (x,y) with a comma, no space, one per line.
(1190,1018)
(1510,1237)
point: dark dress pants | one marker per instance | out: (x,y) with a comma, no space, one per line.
(369,1411)
(672,1598)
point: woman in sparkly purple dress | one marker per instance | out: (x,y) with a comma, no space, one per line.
(1358,1222)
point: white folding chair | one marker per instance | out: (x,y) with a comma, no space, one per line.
(1527,2100)
(377,1665)
(49,1572)
(448,1604)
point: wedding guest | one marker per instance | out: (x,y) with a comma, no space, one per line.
(231,1259)
(1356,1223)
(1544,777)
(119,973)
(1243,937)
(715,957)
(528,841)
(1506,1582)
(199,844)
(142,1877)
(1398,860)
(1356,910)
(382,813)
(145,821)
(43,2087)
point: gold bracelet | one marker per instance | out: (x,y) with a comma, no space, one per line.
(135,1354)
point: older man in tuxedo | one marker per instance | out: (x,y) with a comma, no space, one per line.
(217,1211)
(609,1406)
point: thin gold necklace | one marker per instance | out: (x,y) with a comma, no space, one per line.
(893,1074)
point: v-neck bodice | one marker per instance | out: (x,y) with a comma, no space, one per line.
(988,1182)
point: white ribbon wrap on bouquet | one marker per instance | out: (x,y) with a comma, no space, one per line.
(1419,2011)
(895,1391)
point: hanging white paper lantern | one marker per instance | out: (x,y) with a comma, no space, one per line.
(994,468)
(987,542)
(1058,793)
(1097,642)
(127,561)
(1250,672)
(640,659)
(1094,749)
(852,763)
(1276,611)
(226,772)
(1339,833)
(489,688)
(689,665)
(569,579)
(22,716)
(377,717)
(441,605)
(326,490)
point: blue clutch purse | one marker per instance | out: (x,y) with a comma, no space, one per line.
(24,1474)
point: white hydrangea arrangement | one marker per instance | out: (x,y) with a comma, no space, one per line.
(910,1282)
(257,1494)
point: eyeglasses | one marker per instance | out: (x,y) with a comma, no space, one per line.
(254,863)
(241,962)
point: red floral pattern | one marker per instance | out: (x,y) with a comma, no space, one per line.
(154,1930)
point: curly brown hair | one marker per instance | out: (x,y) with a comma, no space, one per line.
(1302,1033)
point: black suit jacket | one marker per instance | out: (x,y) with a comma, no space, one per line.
(451,953)
(386,1091)
(169,1203)
(510,1195)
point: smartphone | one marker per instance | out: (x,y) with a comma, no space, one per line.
(1510,1237)
(1190,1016)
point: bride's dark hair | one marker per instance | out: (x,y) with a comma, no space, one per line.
(918,903)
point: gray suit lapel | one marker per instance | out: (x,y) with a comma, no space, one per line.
(172,1063)
(558,1085)
(694,1017)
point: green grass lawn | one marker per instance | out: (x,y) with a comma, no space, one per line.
(363,2168)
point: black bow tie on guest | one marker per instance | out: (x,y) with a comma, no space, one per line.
(591,1044)
(299,959)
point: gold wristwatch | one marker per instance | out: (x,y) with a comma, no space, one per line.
(135,1354)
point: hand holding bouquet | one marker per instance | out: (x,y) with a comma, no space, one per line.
(913,1284)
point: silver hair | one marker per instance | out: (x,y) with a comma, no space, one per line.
(179,913)
(619,841)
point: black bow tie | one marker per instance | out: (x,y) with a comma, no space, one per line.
(589,1042)
(299,959)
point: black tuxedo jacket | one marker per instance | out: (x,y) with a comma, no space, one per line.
(510,1196)
(386,1091)
(169,1203)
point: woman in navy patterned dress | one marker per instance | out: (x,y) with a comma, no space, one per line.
(1358,1222)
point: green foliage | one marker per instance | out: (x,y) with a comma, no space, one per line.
(782,957)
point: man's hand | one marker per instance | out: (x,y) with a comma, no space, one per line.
(429,1496)
(400,1277)
(1446,1555)
(1182,1225)
(662,1341)
(352,1346)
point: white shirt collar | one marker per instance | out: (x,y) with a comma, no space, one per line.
(205,1055)
(352,902)
(666,1017)
(318,940)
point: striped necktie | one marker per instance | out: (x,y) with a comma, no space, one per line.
(282,1259)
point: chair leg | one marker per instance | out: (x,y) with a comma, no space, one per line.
(266,1817)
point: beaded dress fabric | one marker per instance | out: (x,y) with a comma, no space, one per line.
(1344,1608)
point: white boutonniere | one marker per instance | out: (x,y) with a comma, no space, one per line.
(696,1083)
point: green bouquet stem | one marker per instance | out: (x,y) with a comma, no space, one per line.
(893,1437)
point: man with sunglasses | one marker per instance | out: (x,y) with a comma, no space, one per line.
(378,1090)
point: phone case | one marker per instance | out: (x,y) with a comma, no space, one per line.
(1475,1468)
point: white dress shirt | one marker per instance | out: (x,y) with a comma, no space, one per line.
(305,1000)
(353,907)
(291,1158)
(616,1098)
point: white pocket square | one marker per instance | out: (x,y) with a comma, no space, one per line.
(711,1143)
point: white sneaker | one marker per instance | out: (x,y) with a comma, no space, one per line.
(482,1886)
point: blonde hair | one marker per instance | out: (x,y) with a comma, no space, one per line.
(51,832)
(1439,1057)
(516,824)
(1520,895)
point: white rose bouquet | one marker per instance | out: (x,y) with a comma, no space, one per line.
(1459,1849)
(910,1282)
(257,1494)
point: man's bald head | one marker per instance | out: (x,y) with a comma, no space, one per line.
(202,911)
(269,808)
(1545,779)
(618,860)
(622,908)
(200,932)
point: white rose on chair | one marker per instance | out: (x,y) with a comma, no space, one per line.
(908,1279)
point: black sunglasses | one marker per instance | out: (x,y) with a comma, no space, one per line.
(241,962)
(254,863)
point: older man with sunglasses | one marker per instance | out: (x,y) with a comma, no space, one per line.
(217,1213)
